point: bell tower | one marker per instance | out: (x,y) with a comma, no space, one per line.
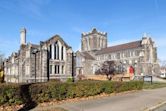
(93,40)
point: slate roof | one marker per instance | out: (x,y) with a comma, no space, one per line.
(88,56)
(130,45)
(35,45)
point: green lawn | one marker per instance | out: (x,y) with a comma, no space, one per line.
(153,85)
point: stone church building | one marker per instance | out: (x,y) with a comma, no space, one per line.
(54,58)
(51,59)
(140,54)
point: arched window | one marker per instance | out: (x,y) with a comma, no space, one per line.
(56,50)
(50,48)
(62,52)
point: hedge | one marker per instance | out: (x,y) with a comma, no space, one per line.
(41,92)
(10,94)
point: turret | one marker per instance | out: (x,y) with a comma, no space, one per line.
(23,36)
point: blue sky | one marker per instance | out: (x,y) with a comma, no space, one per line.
(123,20)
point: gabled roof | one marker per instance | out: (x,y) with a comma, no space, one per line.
(57,37)
(130,45)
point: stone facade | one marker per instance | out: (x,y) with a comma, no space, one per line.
(50,59)
(54,59)
(141,54)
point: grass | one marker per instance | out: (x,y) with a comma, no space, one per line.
(154,85)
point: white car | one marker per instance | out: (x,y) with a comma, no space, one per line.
(163,75)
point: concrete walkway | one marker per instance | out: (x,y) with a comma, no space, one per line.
(136,101)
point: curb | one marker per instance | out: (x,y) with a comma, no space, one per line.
(155,107)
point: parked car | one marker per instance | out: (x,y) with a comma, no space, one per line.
(163,75)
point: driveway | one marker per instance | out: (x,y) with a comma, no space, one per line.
(135,101)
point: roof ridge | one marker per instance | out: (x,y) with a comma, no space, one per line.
(125,46)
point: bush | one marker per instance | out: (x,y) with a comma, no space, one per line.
(10,94)
(41,92)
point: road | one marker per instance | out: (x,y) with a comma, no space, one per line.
(135,101)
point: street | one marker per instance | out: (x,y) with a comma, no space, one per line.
(134,101)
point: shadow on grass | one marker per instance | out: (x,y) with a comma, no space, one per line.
(27,100)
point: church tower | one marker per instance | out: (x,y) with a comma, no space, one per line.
(93,40)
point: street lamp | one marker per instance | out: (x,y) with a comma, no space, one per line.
(35,51)
(73,66)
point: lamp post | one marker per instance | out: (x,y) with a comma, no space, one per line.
(73,66)
(35,51)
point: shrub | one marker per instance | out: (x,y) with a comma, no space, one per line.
(41,92)
(10,94)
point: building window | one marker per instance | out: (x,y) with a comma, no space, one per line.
(56,69)
(55,49)
(50,51)
(50,70)
(62,53)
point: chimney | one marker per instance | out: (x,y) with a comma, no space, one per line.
(23,36)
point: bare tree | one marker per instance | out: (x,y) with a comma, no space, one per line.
(163,63)
(108,68)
